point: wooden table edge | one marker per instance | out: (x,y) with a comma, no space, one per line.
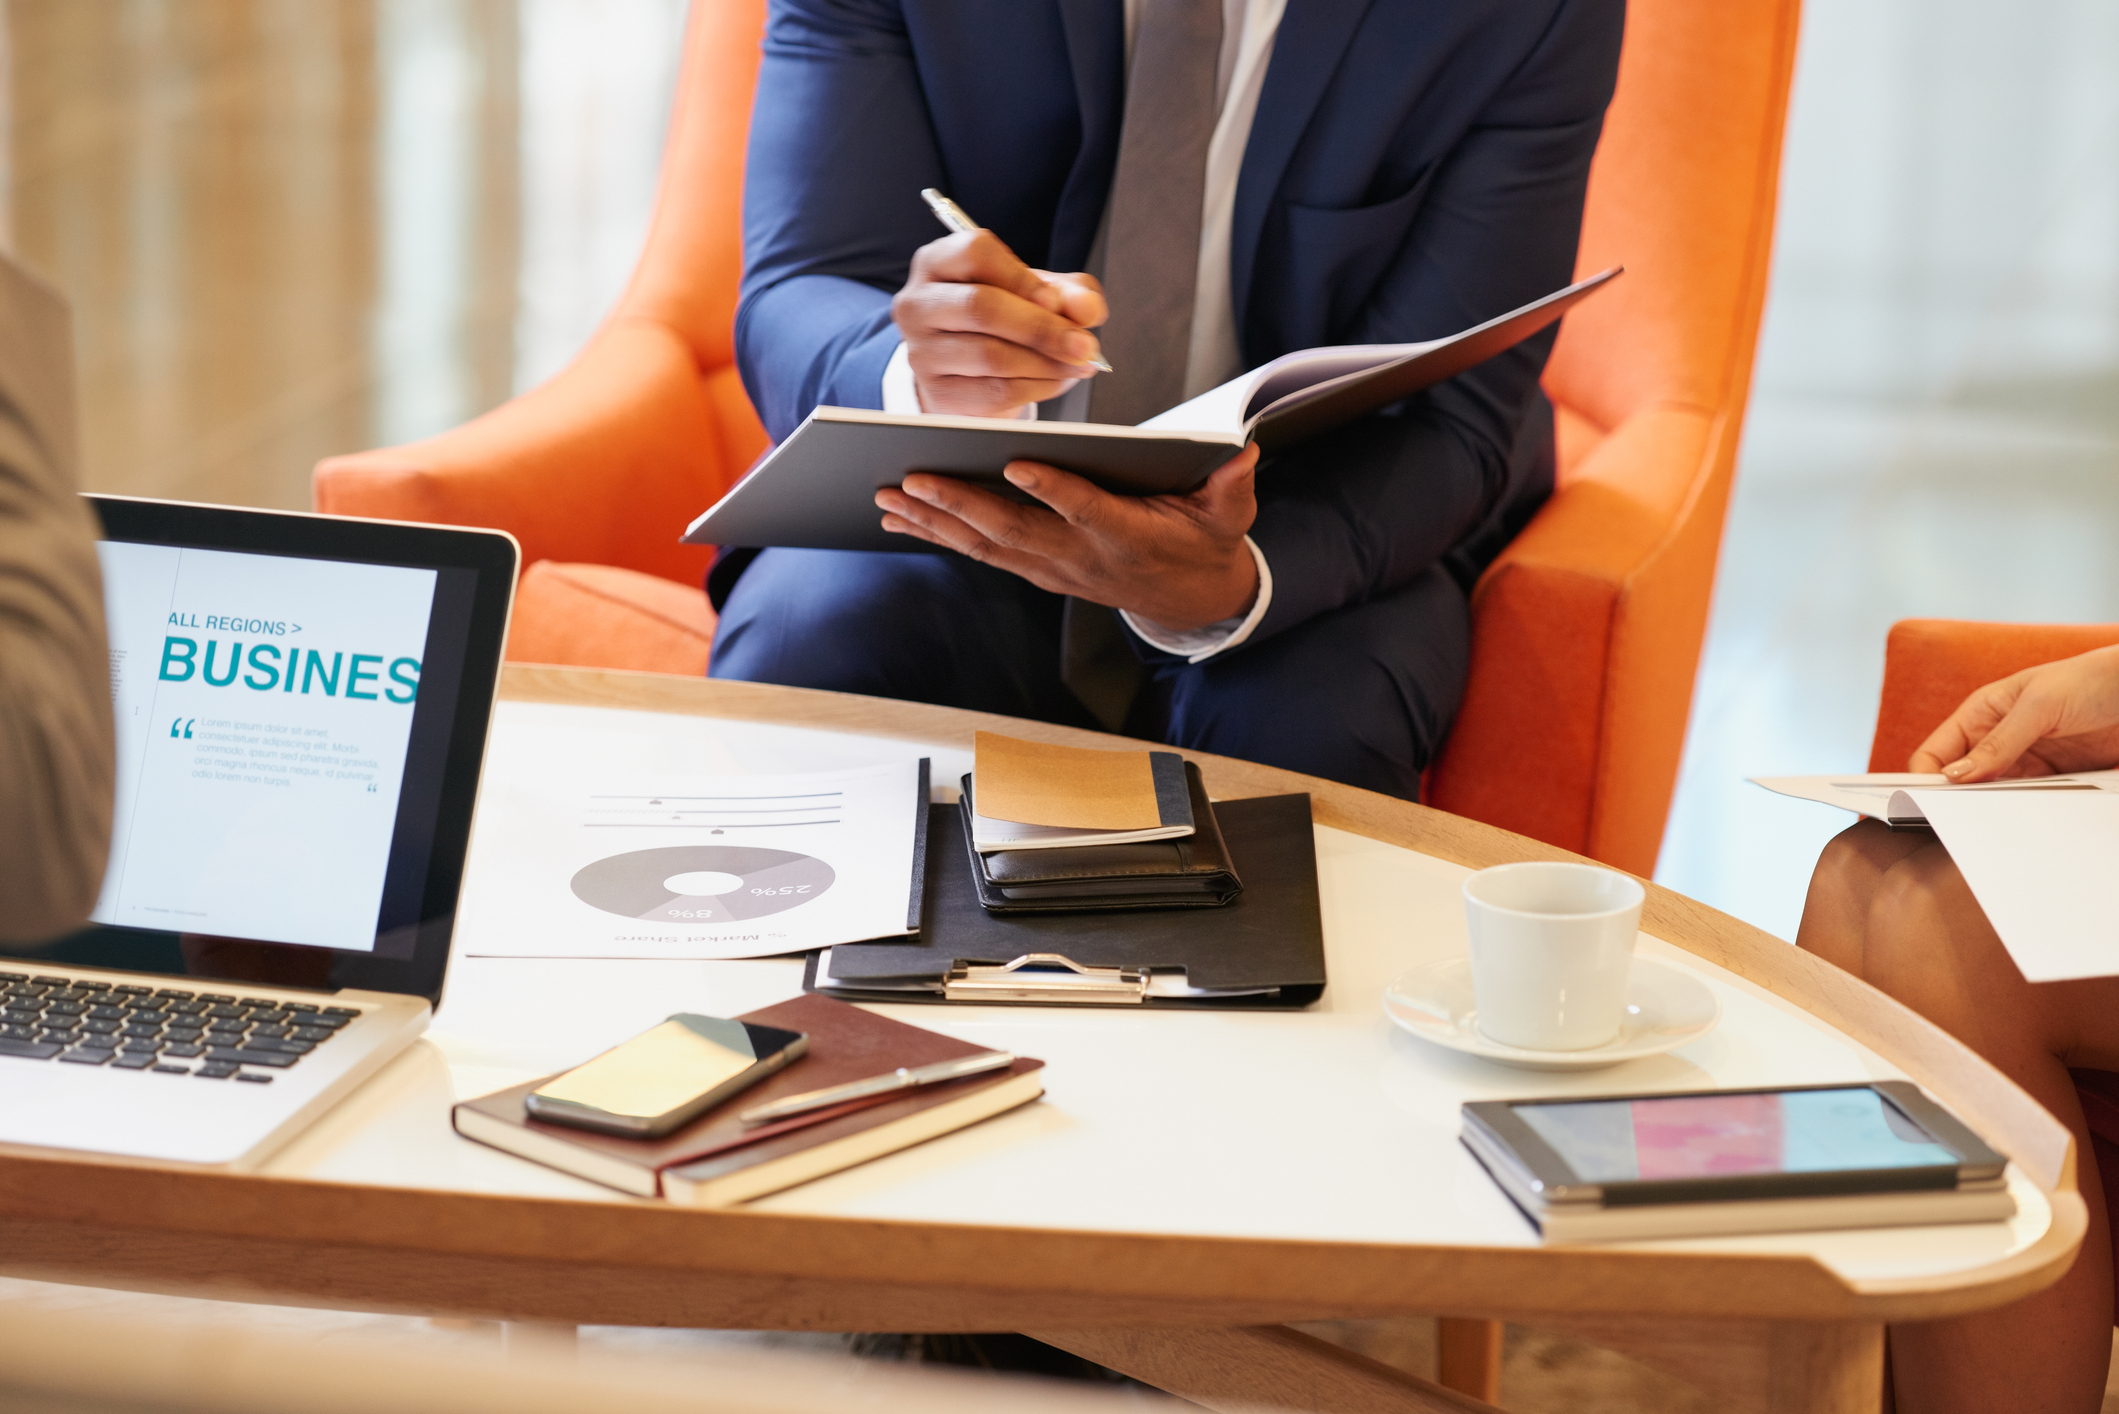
(570,1258)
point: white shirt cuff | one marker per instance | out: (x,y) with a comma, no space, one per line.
(1199,644)
(901,392)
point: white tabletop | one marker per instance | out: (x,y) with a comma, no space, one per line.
(1327,1123)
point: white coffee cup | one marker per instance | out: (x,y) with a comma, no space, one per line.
(1552,945)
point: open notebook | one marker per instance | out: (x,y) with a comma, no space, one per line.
(816,490)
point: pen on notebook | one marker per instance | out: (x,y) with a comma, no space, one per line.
(960,223)
(899,1079)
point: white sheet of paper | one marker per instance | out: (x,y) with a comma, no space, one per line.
(584,849)
(1862,794)
(2045,867)
(1869,794)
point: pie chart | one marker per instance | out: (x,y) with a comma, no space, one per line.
(702,883)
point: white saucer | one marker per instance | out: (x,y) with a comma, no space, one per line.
(1666,1007)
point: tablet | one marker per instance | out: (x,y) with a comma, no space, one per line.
(1799,1141)
(301,705)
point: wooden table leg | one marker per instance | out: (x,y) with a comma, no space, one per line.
(1270,1366)
(1751,1367)
(1829,1369)
(1468,1357)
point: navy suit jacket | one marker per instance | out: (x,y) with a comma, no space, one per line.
(1415,166)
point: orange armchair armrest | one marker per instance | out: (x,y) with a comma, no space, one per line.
(1585,633)
(605,464)
(1932,665)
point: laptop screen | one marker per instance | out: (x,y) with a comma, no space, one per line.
(300,706)
(265,708)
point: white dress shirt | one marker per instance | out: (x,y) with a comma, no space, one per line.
(1247,32)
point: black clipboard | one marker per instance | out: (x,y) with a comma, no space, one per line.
(1270,938)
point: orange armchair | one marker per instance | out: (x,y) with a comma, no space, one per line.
(1586,631)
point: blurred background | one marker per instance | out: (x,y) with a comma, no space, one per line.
(298,227)
(1934,425)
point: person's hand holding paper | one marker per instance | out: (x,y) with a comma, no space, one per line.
(2054,718)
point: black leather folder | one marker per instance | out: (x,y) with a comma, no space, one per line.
(1263,950)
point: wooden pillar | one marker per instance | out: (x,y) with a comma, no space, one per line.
(1468,1357)
(1274,1367)
(1751,1367)
(1828,1369)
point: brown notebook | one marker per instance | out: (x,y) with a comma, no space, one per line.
(717,1160)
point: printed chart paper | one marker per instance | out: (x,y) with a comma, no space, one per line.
(582,850)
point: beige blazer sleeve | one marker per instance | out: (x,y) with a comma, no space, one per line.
(57,769)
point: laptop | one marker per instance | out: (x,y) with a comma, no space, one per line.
(301,704)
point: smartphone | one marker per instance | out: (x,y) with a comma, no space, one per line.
(666,1077)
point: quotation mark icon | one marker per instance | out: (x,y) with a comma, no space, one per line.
(185,723)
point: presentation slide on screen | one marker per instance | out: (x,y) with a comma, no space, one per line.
(263,706)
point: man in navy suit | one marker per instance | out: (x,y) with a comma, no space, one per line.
(1249,177)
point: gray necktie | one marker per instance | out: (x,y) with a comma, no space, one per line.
(1151,264)
(1151,260)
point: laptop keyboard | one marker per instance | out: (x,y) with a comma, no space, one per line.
(207,1034)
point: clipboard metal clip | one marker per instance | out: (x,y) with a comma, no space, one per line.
(1045,977)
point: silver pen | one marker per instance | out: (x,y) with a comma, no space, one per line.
(899,1079)
(960,223)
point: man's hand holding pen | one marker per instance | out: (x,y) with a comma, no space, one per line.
(986,334)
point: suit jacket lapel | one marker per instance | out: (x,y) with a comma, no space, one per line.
(1313,35)
(1096,49)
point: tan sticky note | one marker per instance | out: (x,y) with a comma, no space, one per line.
(1074,787)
